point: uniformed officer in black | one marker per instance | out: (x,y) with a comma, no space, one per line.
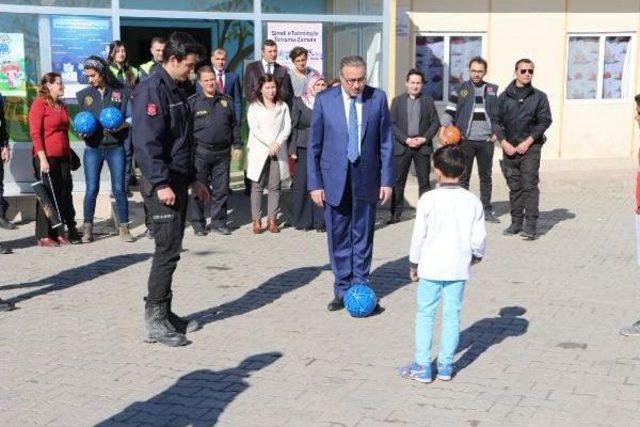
(215,132)
(162,137)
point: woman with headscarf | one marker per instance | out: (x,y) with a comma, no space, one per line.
(306,215)
(105,145)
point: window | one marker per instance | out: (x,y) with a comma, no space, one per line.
(599,67)
(444,60)
(331,7)
(190,5)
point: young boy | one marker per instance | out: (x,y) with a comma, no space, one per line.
(448,237)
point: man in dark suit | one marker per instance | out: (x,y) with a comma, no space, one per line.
(414,122)
(350,168)
(268,65)
(227,82)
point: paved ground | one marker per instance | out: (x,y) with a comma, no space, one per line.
(540,343)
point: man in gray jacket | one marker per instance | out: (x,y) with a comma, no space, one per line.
(471,108)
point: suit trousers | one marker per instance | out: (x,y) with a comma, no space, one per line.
(522,174)
(350,228)
(167,224)
(422,163)
(214,173)
(306,215)
(483,151)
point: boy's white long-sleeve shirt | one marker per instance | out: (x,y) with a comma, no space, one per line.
(448,231)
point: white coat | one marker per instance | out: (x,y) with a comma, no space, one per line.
(265,126)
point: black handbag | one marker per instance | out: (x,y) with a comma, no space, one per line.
(74,161)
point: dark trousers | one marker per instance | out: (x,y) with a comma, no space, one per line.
(213,172)
(521,173)
(4,205)
(60,174)
(167,224)
(350,227)
(483,151)
(128,161)
(306,214)
(422,163)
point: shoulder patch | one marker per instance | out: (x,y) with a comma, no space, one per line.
(464,93)
(224,103)
(152,109)
(88,101)
(201,113)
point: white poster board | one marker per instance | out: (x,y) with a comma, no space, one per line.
(291,34)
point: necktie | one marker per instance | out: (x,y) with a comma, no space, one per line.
(220,83)
(269,69)
(352,148)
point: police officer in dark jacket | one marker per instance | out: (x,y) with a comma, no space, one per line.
(215,131)
(162,136)
(522,118)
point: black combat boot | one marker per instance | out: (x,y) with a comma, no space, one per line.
(181,325)
(156,319)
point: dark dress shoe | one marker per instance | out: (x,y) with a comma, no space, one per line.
(6,305)
(529,232)
(513,229)
(6,224)
(336,304)
(199,232)
(221,230)
(489,216)
(5,250)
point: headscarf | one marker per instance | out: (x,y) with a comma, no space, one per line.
(309,93)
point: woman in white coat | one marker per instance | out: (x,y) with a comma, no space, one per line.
(267,165)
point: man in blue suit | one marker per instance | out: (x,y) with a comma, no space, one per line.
(350,159)
(227,82)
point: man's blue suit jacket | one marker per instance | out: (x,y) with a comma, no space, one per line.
(327,152)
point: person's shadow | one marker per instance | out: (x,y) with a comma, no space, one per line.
(264,294)
(549,219)
(75,276)
(485,333)
(390,277)
(196,399)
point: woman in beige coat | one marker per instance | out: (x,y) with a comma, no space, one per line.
(267,165)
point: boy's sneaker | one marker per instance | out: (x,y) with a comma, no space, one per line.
(631,331)
(445,372)
(413,371)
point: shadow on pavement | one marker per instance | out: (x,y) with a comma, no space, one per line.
(390,277)
(196,399)
(264,294)
(76,276)
(485,333)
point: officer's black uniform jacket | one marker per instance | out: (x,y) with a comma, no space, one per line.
(90,99)
(162,130)
(517,119)
(215,127)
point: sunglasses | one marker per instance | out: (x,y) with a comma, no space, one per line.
(526,70)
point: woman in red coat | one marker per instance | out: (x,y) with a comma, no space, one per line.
(49,130)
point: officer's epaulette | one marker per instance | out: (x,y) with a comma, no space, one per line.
(224,96)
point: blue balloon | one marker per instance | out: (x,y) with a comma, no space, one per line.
(360,300)
(111,118)
(85,123)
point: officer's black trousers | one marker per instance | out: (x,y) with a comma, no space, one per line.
(422,163)
(521,173)
(167,223)
(306,214)
(4,205)
(483,151)
(213,171)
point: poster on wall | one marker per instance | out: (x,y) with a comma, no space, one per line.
(430,60)
(13,80)
(73,39)
(291,34)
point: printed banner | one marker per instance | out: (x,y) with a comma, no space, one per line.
(73,39)
(12,65)
(291,34)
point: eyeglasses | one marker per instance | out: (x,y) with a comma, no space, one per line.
(352,82)
(526,70)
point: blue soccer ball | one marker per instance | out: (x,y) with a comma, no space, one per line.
(85,123)
(360,300)
(111,118)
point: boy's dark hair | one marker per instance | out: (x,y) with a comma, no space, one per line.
(181,45)
(449,160)
(523,61)
(479,60)
(298,51)
(415,72)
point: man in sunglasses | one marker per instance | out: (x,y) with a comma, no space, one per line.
(522,118)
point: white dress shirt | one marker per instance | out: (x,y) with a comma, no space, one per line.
(346,98)
(448,230)
(221,74)
(266,65)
